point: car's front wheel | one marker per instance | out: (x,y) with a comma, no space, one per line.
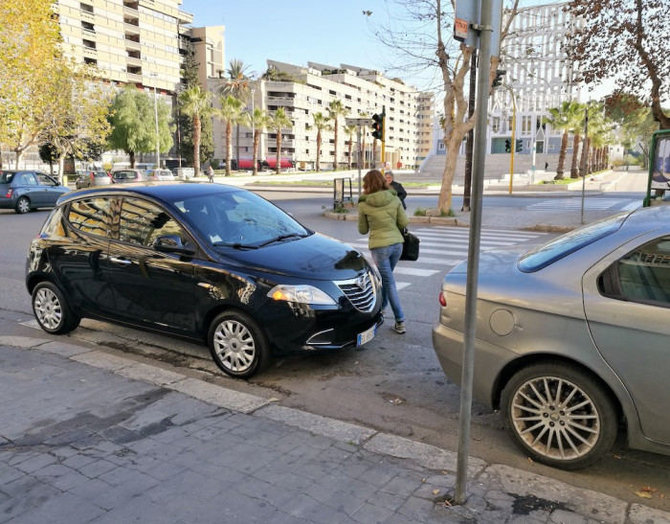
(23,205)
(237,344)
(559,415)
(52,311)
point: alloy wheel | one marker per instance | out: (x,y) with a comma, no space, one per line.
(234,346)
(555,418)
(23,205)
(48,309)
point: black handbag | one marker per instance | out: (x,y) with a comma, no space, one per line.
(410,247)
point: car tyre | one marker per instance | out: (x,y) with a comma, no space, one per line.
(559,415)
(23,205)
(52,311)
(237,344)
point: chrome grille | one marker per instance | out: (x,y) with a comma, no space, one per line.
(361,291)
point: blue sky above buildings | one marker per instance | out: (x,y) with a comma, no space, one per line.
(329,32)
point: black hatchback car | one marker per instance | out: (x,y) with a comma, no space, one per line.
(204,261)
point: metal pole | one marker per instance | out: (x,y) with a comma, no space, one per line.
(158,139)
(583,162)
(513,148)
(359,161)
(479,158)
(470,141)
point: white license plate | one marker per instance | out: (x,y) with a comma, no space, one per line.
(366,336)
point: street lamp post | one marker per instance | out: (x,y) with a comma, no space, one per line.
(158,140)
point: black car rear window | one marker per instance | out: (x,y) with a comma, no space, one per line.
(562,246)
(6,178)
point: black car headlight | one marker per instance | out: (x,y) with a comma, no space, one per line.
(301,294)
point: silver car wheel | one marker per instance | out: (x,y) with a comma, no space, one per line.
(234,346)
(48,309)
(23,205)
(555,418)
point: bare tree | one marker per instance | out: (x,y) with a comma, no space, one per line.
(429,45)
(627,41)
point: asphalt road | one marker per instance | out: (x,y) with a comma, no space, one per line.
(395,384)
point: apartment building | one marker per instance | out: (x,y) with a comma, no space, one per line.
(129,41)
(303,91)
(538,76)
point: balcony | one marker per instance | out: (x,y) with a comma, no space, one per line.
(133,61)
(130,29)
(87,17)
(133,45)
(134,77)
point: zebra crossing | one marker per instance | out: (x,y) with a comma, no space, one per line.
(591,204)
(443,247)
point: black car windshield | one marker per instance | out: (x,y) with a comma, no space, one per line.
(239,219)
(562,246)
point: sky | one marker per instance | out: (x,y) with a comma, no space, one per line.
(331,32)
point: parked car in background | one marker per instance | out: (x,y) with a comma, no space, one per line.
(206,261)
(27,190)
(572,338)
(120,176)
(94,178)
(162,175)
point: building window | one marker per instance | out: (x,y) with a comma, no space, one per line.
(495,124)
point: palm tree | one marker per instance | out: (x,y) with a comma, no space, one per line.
(257,121)
(276,122)
(195,103)
(562,118)
(336,110)
(350,131)
(321,122)
(238,85)
(229,112)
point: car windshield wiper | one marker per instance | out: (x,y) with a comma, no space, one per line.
(282,237)
(234,245)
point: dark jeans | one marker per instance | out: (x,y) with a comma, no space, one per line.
(386,259)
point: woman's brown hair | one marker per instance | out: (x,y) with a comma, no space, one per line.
(374,181)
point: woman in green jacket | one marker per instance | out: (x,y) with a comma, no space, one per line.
(380,213)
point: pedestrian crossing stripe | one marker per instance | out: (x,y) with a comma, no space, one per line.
(448,247)
(576,203)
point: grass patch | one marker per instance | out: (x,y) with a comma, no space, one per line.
(422,212)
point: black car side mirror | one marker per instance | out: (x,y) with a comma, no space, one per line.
(172,244)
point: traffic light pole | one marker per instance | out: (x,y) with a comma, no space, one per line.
(383,138)
(513,142)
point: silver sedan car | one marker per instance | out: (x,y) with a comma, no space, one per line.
(572,338)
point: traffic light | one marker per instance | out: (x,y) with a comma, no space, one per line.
(378,126)
(497,81)
(508,146)
(518,146)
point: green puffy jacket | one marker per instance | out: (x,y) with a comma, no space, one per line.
(381,214)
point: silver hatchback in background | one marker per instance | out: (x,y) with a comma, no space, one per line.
(572,338)
(121,176)
(161,175)
(93,178)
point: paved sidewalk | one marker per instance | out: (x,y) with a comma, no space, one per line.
(93,436)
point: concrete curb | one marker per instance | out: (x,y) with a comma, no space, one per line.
(451,221)
(491,480)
